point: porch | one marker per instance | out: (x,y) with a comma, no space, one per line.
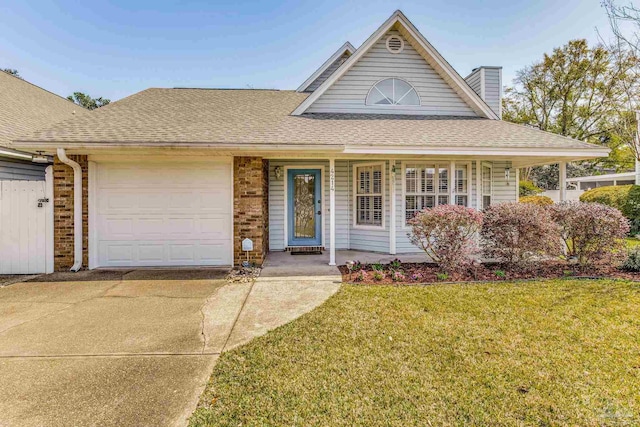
(282,264)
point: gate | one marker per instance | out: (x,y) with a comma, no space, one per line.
(26,226)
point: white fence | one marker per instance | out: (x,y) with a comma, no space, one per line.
(26,226)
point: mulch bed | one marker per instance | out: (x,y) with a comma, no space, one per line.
(424,273)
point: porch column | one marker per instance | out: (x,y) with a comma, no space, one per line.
(392,207)
(517,184)
(452,183)
(637,150)
(332,211)
(563,181)
(478,185)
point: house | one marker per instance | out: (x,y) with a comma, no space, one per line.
(25,108)
(25,203)
(577,186)
(175,177)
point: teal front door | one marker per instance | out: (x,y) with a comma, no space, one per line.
(304,214)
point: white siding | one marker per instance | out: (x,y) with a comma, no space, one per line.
(350,237)
(20,170)
(474,81)
(368,239)
(326,73)
(503,191)
(493,89)
(348,94)
(492,86)
(277,203)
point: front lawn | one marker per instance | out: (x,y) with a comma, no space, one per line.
(564,352)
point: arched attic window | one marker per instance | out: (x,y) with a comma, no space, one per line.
(392,91)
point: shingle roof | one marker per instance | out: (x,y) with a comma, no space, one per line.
(25,108)
(239,116)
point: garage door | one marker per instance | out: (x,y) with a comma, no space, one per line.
(162,214)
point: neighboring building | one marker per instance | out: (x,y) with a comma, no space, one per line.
(179,177)
(577,186)
(26,108)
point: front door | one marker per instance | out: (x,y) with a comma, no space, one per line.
(304,207)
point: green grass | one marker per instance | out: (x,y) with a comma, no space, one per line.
(562,352)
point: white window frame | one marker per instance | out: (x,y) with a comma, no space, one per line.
(373,86)
(469,166)
(355,224)
(451,193)
(482,192)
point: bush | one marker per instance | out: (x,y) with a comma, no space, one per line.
(592,232)
(514,232)
(446,233)
(537,200)
(625,198)
(632,263)
(528,188)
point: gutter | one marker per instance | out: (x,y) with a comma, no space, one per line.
(77,208)
(15,155)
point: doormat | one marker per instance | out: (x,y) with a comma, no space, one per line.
(306,252)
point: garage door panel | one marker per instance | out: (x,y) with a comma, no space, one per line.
(163,253)
(163,215)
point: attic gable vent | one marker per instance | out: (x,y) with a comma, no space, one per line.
(395,44)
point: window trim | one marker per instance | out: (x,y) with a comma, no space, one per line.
(354,189)
(392,105)
(482,194)
(450,193)
(469,194)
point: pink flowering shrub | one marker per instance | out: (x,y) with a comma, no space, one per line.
(446,233)
(515,232)
(592,232)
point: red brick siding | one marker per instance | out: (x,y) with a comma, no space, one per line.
(250,207)
(63,235)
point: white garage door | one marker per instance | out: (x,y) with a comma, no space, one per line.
(162,214)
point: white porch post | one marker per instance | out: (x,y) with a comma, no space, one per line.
(563,181)
(392,216)
(517,184)
(332,211)
(478,185)
(637,153)
(452,183)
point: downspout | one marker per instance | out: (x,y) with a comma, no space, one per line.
(77,208)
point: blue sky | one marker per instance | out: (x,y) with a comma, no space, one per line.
(116,48)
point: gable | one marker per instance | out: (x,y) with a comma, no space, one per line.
(348,94)
(330,70)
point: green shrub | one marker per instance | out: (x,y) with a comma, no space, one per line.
(632,263)
(537,200)
(625,198)
(528,188)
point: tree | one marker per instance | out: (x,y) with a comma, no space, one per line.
(88,102)
(11,71)
(625,24)
(580,92)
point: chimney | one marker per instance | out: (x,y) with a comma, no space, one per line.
(487,83)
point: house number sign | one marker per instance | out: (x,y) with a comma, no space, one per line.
(332,179)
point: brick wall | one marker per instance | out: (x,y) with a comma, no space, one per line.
(251,207)
(63,236)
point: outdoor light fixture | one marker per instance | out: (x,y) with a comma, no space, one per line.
(278,172)
(507,174)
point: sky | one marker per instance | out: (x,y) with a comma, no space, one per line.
(113,49)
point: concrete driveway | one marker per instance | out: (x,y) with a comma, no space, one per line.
(129,348)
